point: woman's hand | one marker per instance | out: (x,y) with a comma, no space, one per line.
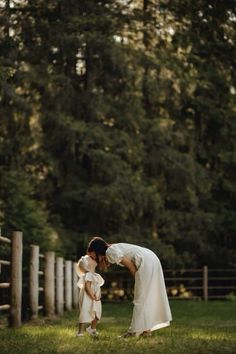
(103,263)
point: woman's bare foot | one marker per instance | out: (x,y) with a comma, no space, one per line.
(128,335)
(145,334)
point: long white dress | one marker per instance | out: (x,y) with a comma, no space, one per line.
(89,309)
(151,306)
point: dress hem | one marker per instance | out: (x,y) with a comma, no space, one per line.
(154,328)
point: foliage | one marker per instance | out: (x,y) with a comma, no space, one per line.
(20,211)
(120,117)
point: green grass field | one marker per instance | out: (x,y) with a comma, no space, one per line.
(197,328)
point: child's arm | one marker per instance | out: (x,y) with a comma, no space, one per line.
(88,290)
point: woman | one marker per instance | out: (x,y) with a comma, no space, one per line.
(151,307)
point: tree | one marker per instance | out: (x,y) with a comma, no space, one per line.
(20,208)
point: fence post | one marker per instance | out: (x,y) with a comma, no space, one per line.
(205,283)
(34,281)
(75,287)
(59,286)
(49,283)
(16,279)
(68,285)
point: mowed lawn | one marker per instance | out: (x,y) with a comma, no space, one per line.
(198,327)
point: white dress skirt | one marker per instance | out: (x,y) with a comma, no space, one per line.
(90,309)
(151,306)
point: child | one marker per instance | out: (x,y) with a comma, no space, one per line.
(89,296)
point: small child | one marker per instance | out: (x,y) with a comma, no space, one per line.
(89,296)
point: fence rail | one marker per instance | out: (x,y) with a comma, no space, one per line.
(56,281)
(15,281)
(203,283)
(206,283)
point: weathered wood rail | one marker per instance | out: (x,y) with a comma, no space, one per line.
(15,281)
(59,278)
(201,284)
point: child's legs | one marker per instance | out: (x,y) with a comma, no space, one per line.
(81,327)
(94,323)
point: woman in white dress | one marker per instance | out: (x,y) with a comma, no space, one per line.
(90,305)
(151,309)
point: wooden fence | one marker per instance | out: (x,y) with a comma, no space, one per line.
(203,283)
(15,281)
(200,284)
(53,276)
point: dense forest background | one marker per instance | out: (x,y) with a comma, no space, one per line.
(118,118)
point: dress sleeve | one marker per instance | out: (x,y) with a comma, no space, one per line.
(94,277)
(89,277)
(99,279)
(114,254)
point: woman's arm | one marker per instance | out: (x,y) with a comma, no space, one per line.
(129,264)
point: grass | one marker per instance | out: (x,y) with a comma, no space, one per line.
(198,328)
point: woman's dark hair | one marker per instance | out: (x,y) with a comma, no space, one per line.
(98,245)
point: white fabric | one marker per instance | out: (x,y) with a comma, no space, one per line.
(85,264)
(89,309)
(151,306)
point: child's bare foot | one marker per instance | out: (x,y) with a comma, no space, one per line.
(79,334)
(92,331)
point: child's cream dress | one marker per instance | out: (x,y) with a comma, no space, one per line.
(151,306)
(89,309)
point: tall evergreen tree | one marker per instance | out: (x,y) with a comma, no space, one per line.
(203,103)
(19,209)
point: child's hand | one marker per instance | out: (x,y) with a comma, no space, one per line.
(97,298)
